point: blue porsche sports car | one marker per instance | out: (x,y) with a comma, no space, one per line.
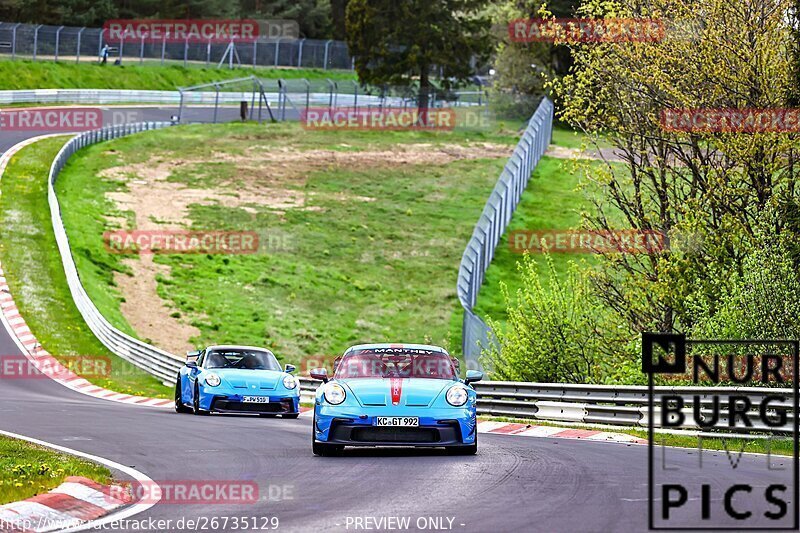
(395,395)
(236,379)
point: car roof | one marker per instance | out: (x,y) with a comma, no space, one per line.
(223,347)
(398,346)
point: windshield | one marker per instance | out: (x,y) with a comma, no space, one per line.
(242,359)
(396,363)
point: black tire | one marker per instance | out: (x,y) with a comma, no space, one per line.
(196,403)
(322,449)
(179,407)
(267,415)
(291,416)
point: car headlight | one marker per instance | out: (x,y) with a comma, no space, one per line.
(212,380)
(457,396)
(289,382)
(334,394)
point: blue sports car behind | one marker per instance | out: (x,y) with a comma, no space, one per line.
(236,379)
(395,395)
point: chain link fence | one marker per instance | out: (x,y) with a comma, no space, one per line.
(66,43)
(496,215)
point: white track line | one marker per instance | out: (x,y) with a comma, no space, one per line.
(134,509)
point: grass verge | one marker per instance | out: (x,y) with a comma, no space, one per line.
(373,240)
(775,446)
(28,469)
(36,278)
(22,74)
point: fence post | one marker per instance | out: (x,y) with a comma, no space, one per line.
(186,51)
(163,48)
(78,51)
(141,51)
(14,40)
(100,42)
(216,102)
(36,40)
(255,52)
(325,58)
(277,50)
(300,53)
(58,38)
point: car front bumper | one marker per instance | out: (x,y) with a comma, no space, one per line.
(232,403)
(357,426)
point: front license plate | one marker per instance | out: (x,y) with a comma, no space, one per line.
(398,421)
(255,399)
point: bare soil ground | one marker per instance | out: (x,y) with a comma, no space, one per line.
(265,177)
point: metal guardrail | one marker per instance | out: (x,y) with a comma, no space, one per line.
(615,405)
(491,225)
(72,44)
(153,360)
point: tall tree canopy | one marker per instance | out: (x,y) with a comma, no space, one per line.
(400,43)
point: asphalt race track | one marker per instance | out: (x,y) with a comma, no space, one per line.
(512,484)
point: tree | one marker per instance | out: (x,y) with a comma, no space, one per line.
(716,185)
(400,43)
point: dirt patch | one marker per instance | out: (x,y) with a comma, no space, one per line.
(562,152)
(266,177)
(146,312)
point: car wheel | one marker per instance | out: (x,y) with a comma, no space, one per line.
(179,407)
(322,449)
(196,403)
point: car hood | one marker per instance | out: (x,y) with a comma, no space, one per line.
(411,392)
(249,379)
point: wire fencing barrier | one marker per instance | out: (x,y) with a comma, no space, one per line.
(491,226)
(66,43)
(153,360)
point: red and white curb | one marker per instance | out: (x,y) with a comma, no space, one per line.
(528,430)
(32,349)
(76,501)
(77,504)
(49,365)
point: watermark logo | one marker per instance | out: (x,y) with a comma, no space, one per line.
(55,119)
(588,242)
(385,118)
(181,242)
(729,491)
(187,492)
(65,367)
(619,30)
(730,120)
(181,31)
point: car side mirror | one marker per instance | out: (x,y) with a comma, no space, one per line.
(473,376)
(289,369)
(191,364)
(320,373)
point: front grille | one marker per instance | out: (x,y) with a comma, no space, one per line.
(393,434)
(284,406)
